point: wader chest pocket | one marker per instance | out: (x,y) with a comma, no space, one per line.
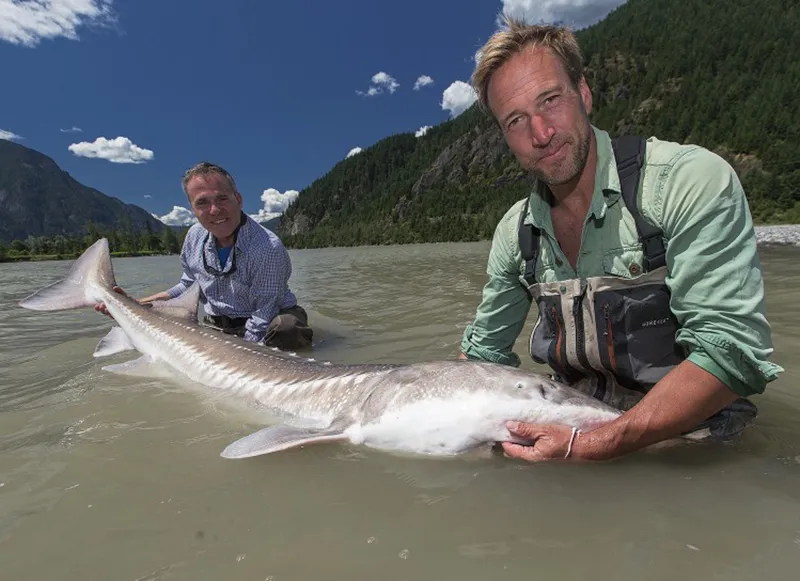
(636,333)
(549,338)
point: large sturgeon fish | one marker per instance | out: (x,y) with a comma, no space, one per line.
(434,408)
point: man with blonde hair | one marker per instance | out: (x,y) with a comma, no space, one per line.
(243,268)
(640,255)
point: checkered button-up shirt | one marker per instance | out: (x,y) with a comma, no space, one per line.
(254,283)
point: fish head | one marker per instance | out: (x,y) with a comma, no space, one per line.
(541,399)
(526,386)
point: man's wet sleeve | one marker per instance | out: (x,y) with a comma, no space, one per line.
(504,305)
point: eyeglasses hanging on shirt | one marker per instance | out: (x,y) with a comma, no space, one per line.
(225,271)
(231,258)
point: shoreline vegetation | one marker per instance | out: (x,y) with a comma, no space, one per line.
(74,255)
(766,234)
(123,243)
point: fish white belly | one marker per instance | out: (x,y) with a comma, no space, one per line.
(440,426)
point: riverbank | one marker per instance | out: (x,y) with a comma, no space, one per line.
(767,235)
(785,235)
(48,257)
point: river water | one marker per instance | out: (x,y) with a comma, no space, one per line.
(120,478)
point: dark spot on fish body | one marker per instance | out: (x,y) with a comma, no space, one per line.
(542,392)
(200,535)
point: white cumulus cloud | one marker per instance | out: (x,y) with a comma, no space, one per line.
(385,80)
(179,216)
(380,81)
(148,196)
(574,13)
(422,81)
(72,129)
(9,135)
(422,131)
(275,204)
(117,150)
(353,152)
(458,97)
(29,22)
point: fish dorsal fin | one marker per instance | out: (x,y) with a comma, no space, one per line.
(182,307)
(116,341)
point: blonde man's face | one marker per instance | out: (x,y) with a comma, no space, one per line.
(544,119)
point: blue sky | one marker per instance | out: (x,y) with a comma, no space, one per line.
(126,95)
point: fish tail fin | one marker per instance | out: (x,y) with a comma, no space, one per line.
(72,292)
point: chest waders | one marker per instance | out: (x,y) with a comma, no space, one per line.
(619,330)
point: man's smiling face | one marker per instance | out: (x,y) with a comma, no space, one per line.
(217,206)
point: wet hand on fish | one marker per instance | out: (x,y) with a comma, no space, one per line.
(548,442)
(101,307)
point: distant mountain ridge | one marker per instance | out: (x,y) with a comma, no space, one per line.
(38,198)
(719,73)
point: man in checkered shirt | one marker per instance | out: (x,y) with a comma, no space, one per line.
(243,268)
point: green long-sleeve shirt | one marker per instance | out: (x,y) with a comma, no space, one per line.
(715,279)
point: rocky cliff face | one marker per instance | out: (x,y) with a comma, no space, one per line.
(479,156)
(468,156)
(38,198)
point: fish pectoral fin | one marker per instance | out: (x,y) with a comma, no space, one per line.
(183,307)
(144,366)
(280,437)
(116,341)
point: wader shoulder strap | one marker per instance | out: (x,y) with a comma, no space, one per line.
(529,245)
(629,152)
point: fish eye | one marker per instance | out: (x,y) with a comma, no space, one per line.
(520,385)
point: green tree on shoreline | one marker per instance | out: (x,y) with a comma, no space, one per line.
(124,243)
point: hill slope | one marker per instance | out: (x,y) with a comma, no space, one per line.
(721,73)
(37,198)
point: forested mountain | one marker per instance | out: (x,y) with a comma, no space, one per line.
(39,199)
(720,73)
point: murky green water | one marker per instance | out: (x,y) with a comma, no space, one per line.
(109,477)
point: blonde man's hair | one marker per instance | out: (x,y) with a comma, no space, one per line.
(512,39)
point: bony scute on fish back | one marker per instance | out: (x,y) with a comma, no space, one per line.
(434,408)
